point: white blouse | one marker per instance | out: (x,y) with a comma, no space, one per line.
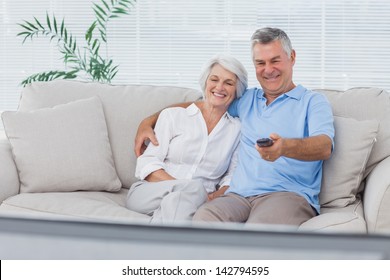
(187,151)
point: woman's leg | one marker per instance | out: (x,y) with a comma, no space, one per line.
(180,204)
(166,201)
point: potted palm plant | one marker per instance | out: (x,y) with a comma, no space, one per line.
(83,61)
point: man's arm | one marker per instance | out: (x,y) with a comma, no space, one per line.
(311,148)
(145,130)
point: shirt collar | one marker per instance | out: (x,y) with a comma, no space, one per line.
(193,110)
(295,93)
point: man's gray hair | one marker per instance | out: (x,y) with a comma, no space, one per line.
(229,63)
(268,35)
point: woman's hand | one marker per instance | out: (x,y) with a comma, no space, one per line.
(221,191)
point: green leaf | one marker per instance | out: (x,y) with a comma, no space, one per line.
(74,46)
(62,27)
(113,71)
(106,5)
(26,27)
(125,6)
(31,25)
(66,36)
(95,43)
(113,75)
(49,76)
(99,16)
(39,24)
(103,35)
(119,11)
(55,24)
(102,24)
(96,52)
(100,9)
(88,34)
(48,21)
(25,33)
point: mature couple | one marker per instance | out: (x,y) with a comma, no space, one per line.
(197,147)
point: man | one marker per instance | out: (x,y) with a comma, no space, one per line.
(278,184)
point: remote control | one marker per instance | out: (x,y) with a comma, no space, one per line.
(264,142)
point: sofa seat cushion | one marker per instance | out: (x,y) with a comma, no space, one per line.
(124,107)
(82,204)
(349,219)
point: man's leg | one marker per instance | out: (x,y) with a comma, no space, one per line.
(285,208)
(227,208)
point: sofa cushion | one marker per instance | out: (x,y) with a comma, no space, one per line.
(124,107)
(9,179)
(99,206)
(64,148)
(365,103)
(343,172)
(349,219)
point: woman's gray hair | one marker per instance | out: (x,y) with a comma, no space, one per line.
(229,63)
(268,35)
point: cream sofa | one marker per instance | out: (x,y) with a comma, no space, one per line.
(70,154)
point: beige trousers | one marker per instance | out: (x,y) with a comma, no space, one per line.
(167,201)
(286,208)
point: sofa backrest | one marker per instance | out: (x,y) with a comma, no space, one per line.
(124,107)
(365,103)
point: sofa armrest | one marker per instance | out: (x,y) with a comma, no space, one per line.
(377,198)
(9,179)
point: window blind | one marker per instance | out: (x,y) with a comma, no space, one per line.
(339,43)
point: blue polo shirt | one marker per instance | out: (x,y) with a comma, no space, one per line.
(298,113)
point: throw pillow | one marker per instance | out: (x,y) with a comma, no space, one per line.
(64,148)
(343,172)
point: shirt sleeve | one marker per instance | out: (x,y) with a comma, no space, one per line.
(320,117)
(238,103)
(154,156)
(233,108)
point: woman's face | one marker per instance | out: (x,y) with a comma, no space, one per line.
(221,87)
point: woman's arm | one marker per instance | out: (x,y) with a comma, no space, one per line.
(159,175)
(221,191)
(150,165)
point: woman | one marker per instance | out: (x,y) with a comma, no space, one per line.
(196,145)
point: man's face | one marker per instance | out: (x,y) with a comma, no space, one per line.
(274,68)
